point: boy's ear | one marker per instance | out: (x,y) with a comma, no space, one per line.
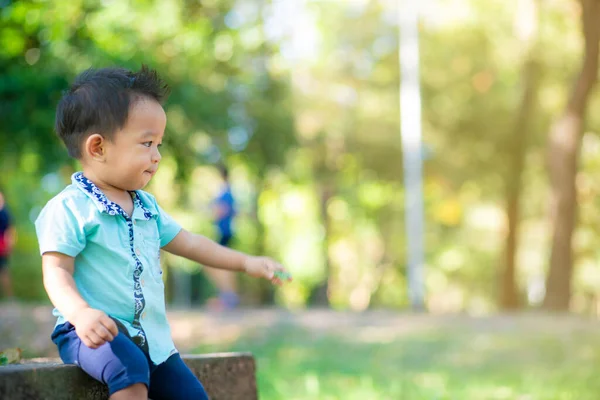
(95,147)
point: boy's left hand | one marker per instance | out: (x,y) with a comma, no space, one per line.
(264,267)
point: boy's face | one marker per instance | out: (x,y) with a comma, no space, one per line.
(132,156)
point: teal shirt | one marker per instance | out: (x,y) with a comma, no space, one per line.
(117,258)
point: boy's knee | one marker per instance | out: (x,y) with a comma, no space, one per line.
(118,370)
(127,378)
(123,372)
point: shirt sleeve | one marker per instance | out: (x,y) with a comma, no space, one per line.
(60,229)
(168,228)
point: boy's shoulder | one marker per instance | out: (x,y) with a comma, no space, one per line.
(70,194)
(72,199)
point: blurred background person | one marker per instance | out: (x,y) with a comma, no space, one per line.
(223,208)
(7,240)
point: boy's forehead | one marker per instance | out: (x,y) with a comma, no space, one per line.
(148,115)
(147,104)
(149,134)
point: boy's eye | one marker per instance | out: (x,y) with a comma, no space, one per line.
(159,145)
(147,144)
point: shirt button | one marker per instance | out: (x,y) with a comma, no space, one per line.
(137,251)
(144,315)
(143,282)
(135,223)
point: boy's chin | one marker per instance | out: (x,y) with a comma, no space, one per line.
(139,186)
(147,178)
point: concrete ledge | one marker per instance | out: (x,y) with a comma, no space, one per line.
(226,376)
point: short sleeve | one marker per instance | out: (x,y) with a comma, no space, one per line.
(168,228)
(59,229)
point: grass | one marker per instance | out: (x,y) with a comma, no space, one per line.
(451,362)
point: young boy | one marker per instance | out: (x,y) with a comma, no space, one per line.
(100,240)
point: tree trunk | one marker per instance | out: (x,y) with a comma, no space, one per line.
(563,153)
(527,25)
(319,295)
(509,298)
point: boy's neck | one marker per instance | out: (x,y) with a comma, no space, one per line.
(114,194)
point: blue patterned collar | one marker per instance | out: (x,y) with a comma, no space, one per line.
(103,203)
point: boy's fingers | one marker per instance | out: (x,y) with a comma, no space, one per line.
(276,265)
(267,270)
(89,343)
(104,333)
(95,339)
(282,275)
(281,268)
(110,325)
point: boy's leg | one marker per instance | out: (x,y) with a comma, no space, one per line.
(173,380)
(137,391)
(119,364)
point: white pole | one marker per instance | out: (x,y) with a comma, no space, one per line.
(410,129)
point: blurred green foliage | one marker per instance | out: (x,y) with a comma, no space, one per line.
(301,100)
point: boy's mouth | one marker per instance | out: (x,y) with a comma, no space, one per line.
(150,171)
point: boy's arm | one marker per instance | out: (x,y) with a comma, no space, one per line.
(93,327)
(205,251)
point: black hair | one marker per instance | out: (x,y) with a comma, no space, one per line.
(99,102)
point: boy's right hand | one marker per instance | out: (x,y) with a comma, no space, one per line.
(94,327)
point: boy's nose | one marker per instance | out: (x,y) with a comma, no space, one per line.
(156,157)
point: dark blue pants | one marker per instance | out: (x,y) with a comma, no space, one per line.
(121,363)
(225,238)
